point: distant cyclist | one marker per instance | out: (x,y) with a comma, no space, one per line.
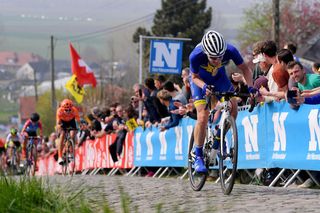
(30,128)
(67,117)
(207,61)
(14,139)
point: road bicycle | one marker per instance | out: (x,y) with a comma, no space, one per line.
(227,154)
(68,155)
(31,155)
(12,164)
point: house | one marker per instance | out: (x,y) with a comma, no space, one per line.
(34,70)
(12,61)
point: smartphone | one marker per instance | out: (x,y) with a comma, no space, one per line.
(291,95)
(140,92)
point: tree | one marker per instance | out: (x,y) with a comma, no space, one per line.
(182,18)
(299,20)
(47,116)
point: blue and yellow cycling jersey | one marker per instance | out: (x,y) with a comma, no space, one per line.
(210,74)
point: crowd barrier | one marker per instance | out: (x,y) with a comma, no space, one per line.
(91,155)
(273,135)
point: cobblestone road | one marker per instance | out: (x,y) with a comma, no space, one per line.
(174,195)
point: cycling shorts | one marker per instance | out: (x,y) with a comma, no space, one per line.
(32,133)
(14,143)
(69,124)
(198,95)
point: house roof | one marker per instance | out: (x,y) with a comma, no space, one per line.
(311,49)
(27,106)
(40,66)
(15,58)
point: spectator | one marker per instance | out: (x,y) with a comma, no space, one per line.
(292,47)
(305,81)
(84,133)
(159,81)
(186,91)
(174,93)
(116,147)
(316,68)
(257,72)
(166,99)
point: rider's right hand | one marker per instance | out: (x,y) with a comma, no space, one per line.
(207,89)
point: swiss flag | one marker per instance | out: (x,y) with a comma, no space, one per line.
(79,68)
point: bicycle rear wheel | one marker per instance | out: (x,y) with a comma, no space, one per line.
(197,180)
(31,160)
(228,157)
(69,164)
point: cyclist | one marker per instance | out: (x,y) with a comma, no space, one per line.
(14,139)
(67,117)
(207,61)
(30,129)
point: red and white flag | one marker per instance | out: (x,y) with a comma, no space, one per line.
(79,68)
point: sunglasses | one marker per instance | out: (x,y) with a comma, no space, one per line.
(215,58)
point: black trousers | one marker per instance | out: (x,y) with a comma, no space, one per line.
(116,147)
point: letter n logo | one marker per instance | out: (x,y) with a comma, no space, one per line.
(314,142)
(250,133)
(279,131)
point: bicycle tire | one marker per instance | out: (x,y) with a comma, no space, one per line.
(33,165)
(197,180)
(68,166)
(228,157)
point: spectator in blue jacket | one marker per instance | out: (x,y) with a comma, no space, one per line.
(166,99)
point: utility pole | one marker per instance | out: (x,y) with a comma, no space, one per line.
(53,95)
(35,84)
(276,21)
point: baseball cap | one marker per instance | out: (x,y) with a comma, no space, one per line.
(259,58)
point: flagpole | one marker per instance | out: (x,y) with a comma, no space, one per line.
(140,71)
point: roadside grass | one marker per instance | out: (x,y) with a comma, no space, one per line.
(35,195)
(23,194)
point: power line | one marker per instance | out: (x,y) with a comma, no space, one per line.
(121,26)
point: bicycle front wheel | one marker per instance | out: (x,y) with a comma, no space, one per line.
(228,155)
(69,165)
(197,180)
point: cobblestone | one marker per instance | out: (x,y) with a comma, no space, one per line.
(175,195)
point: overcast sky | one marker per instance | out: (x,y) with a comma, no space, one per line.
(38,19)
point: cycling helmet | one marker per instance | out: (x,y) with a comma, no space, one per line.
(35,117)
(67,104)
(213,44)
(13,131)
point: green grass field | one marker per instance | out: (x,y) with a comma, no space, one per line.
(7,110)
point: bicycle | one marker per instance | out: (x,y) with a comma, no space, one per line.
(31,155)
(68,167)
(12,164)
(227,154)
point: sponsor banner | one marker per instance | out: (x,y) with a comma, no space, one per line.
(166,56)
(168,148)
(273,135)
(92,154)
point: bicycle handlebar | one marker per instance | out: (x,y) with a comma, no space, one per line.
(229,94)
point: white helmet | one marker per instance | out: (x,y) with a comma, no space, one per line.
(213,44)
